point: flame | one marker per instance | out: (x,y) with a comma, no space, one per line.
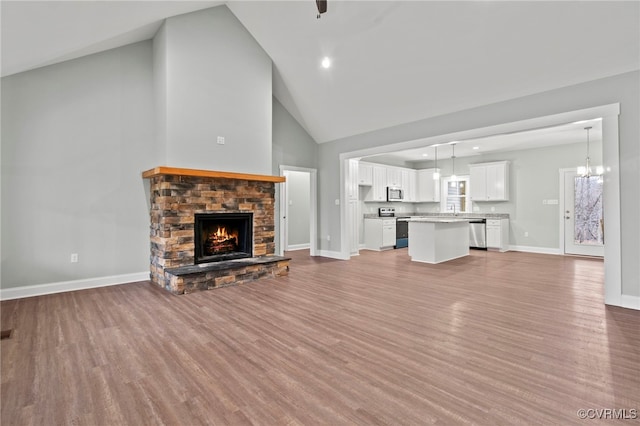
(221,234)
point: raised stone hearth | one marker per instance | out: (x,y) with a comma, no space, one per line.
(177,195)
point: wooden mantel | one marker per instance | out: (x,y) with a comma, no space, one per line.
(176,171)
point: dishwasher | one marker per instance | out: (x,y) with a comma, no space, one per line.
(478,234)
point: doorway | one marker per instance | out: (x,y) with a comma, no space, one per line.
(297,210)
(582,214)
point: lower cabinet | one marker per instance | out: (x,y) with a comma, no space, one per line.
(379,234)
(498,234)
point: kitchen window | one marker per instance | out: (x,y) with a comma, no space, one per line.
(456,195)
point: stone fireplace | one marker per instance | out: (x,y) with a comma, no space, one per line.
(211,229)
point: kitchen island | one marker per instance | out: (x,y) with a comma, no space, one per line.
(436,240)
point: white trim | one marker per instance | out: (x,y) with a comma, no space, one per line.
(294,247)
(345,249)
(505,128)
(313,208)
(333,254)
(629,302)
(64,286)
(612,209)
(561,210)
(540,250)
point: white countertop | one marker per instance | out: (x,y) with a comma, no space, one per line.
(437,220)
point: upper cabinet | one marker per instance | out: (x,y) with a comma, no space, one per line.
(394,177)
(489,181)
(378,191)
(365,174)
(409,185)
(428,188)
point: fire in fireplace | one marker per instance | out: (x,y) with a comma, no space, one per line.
(223,236)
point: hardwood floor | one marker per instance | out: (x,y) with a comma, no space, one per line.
(494,338)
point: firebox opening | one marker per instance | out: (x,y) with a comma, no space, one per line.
(223,236)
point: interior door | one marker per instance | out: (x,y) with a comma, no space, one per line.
(583,215)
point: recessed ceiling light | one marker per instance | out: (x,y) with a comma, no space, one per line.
(476,147)
(326,62)
(425,155)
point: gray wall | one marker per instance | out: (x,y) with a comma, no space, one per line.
(623,89)
(298,199)
(216,82)
(75,138)
(292,146)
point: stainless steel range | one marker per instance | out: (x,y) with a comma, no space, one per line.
(402,226)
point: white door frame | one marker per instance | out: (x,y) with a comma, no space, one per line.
(313,209)
(611,162)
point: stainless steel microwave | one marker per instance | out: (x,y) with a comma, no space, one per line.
(394,194)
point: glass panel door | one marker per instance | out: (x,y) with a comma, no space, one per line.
(583,215)
(588,224)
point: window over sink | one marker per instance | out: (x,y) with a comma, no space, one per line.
(456,195)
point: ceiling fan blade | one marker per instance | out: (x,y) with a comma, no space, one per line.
(322,6)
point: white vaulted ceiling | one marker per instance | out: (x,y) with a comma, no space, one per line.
(393,62)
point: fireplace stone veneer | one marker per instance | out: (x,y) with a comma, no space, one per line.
(177,195)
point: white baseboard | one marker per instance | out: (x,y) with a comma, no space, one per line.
(63,286)
(625,301)
(630,302)
(531,249)
(293,247)
(332,254)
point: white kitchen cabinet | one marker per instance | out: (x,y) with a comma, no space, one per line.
(409,177)
(428,188)
(394,177)
(379,234)
(365,174)
(489,181)
(378,191)
(498,234)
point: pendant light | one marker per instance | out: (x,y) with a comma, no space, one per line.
(585,171)
(453,178)
(436,172)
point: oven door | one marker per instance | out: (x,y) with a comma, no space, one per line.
(402,233)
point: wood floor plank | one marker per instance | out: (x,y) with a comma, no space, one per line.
(493,338)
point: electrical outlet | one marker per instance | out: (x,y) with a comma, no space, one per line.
(328,237)
(493,209)
(526,233)
(74,257)
(220,140)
